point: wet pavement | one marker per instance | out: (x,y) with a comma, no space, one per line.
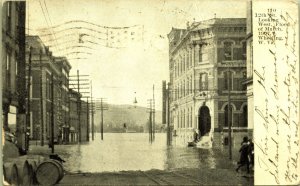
(132,151)
(129,159)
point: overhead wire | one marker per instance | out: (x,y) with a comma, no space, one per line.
(46,20)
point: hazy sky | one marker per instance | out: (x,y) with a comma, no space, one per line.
(118,73)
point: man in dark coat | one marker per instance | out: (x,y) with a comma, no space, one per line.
(244,151)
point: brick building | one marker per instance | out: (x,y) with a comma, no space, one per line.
(13,69)
(73,117)
(202,58)
(63,103)
(78,126)
(48,91)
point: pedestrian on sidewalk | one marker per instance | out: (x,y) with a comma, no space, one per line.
(251,153)
(244,160)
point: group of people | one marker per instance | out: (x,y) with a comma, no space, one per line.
(246,154)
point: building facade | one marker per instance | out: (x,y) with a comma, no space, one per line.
(13,69)
(207,64)
(63,103)
(249,80)
(47,91)
(79,126)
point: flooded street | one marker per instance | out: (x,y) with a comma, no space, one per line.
(132,151)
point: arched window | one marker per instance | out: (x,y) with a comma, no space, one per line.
(228,50)
(228,120)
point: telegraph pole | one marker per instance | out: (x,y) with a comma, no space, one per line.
(92,102)
(28,99)
(229,116)
(153,115)
(102,107)
(52,114)
(87,120)
(41,100)
(150,121)
(79,108)
(79,88)
(101,119)
(168,115)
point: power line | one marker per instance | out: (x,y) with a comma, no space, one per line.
(46,20)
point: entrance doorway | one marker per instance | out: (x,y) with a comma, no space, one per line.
(204,120)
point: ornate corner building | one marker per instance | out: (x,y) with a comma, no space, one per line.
(207,62)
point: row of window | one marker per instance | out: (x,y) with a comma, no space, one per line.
(185,88)
(11,70)
(185,118)
(185,62)
(9,27)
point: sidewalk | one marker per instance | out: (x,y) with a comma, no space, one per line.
(159,177)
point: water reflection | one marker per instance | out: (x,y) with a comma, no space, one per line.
(132,151)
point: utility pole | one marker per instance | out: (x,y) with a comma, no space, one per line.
(52,114)
(41,100)
(79,108)
(77,82)
(101,119)
(153,115)
(168,115)
(102,108)
(87,120)
(92,102)
(229,115)
(150,121)
(28,99)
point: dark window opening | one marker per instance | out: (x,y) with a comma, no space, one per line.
(228,51)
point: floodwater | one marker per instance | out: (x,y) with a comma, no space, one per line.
(132,151)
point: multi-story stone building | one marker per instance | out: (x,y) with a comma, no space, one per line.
(13,68)
(207,63)
(48,92)
(249,81)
